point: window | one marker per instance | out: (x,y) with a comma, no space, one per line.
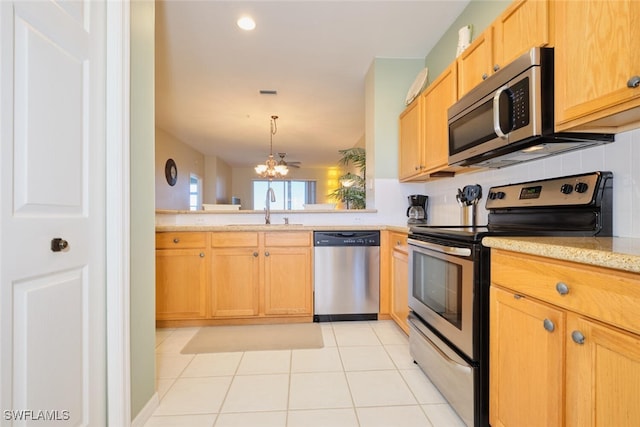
(194,192)
(290,195)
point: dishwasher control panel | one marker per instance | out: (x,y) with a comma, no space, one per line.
(346,238)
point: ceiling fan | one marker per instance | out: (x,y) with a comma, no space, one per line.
(290,164)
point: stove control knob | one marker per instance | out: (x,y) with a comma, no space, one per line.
(500,195)
(566,189)
(492,195)
(582,187)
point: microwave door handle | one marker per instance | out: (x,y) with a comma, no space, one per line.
(449,250)
(496,113)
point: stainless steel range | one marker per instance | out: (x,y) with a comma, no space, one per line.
(449,278)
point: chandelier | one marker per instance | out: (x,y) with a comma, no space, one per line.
(272,169)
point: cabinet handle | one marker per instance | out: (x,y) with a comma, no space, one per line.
(176,240)
(633,82)
(496,67)
(201,254)
(266,254)
(484,76)
(548,325)
(255,254)
(562,288)
(577,337)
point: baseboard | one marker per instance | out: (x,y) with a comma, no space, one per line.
(146,412)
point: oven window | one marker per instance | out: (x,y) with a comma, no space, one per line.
(438,285)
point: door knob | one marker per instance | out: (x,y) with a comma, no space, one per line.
(59,244)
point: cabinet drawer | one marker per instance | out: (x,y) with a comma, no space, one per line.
(180,239)
(234,239)
(611,296)
(287,238)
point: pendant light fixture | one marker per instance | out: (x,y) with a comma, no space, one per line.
(271,169)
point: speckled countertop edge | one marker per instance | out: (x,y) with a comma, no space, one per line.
(620,253)
(279,227)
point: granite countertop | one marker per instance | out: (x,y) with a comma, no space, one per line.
(279,227)
(620,253)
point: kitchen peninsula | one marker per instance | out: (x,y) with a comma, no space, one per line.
(232,268)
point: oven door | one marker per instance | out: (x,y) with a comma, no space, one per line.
(441,290)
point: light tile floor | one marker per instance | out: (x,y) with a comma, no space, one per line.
(364,376)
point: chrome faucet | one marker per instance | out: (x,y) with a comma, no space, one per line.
(271,197)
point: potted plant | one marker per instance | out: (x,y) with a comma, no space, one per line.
(352,190)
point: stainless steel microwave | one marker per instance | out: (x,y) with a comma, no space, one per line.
(509,117)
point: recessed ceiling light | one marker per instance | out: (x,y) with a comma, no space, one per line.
(246,23)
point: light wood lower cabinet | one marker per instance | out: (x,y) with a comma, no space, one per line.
(261,274)
(565,343)
(235,282)
(399,279)
(526,362)
(181,275)
(233,277)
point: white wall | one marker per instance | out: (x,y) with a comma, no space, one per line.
(187,160)
(621,157)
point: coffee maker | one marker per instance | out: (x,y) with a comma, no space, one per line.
(417,210)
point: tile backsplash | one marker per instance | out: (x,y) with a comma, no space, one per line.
(621,157)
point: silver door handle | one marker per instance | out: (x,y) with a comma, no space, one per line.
(496,113)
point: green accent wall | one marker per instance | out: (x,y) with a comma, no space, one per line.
(479,14)
(387,84)
(142,274)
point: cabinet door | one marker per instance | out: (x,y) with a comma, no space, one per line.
(439,97)
(526,363)
(596,54)
(603,375)
(525,24)
(235,282)
(474,64)
(287,282)
(181,277)
(400,288)
(410,141)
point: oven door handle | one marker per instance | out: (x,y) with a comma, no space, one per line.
(449,250)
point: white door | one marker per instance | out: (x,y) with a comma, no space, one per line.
(52,297)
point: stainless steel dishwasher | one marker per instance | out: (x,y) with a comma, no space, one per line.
(346,275)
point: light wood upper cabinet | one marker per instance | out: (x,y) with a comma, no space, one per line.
(410,140)
(424,131)
(523,25)
(437,99)
(474,64)
(596,60)
(565,343)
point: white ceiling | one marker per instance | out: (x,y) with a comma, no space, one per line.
(314,53)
